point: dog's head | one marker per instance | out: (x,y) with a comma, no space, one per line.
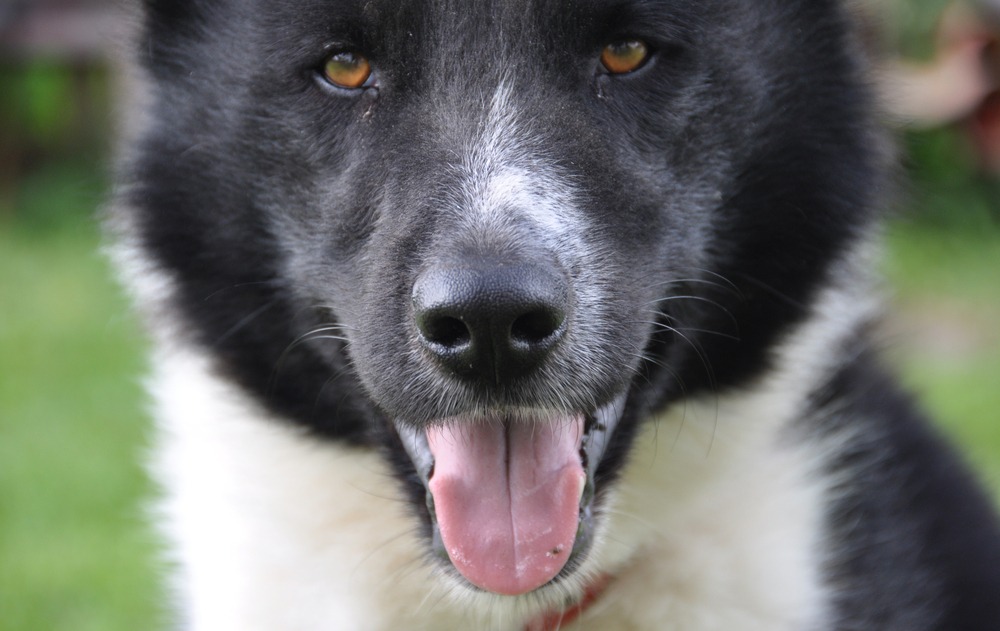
(494,236)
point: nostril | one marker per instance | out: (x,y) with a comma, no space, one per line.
(446,331)
(536,327)
(488,320)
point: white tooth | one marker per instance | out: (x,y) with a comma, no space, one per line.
(415,442)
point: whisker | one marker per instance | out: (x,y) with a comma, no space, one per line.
(274,282)
(726,281)
(323,337)
(692,281)
(687,329)
(697,349)
(316,333)
(798,304)
(709,301)
(245,321)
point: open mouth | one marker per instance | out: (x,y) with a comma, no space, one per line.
(511,495)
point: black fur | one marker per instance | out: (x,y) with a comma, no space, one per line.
(721,184)
(917,540)
(245,138)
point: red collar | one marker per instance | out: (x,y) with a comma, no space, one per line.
(557,618)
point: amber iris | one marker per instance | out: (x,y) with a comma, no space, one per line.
(347,70)
(625,56)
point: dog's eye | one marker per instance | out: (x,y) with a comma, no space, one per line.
(624,56)
(347,70)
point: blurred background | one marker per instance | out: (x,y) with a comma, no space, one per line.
(75,553)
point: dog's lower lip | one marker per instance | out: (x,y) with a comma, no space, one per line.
(598,427)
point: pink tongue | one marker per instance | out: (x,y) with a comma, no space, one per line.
(507,499)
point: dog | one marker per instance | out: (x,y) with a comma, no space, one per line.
(529,314)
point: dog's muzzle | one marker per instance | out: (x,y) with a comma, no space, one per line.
(509,483)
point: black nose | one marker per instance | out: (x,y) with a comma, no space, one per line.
(490,320)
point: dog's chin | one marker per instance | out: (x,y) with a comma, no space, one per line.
(511,495)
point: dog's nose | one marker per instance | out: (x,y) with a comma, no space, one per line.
(489,320)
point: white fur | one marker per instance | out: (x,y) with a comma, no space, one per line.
(506,178)
(728,501)
(508,183)
(715,524)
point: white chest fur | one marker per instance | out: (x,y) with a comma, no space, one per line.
(713,525)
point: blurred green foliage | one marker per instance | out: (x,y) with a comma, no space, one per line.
(911,24)
(52,107)
(944,187)
(55,133)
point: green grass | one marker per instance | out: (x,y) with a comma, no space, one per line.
(947,289)
(75,554)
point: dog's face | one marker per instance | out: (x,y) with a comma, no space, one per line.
(494,236)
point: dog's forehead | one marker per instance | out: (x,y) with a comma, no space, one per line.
(442,22)
(470,14)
